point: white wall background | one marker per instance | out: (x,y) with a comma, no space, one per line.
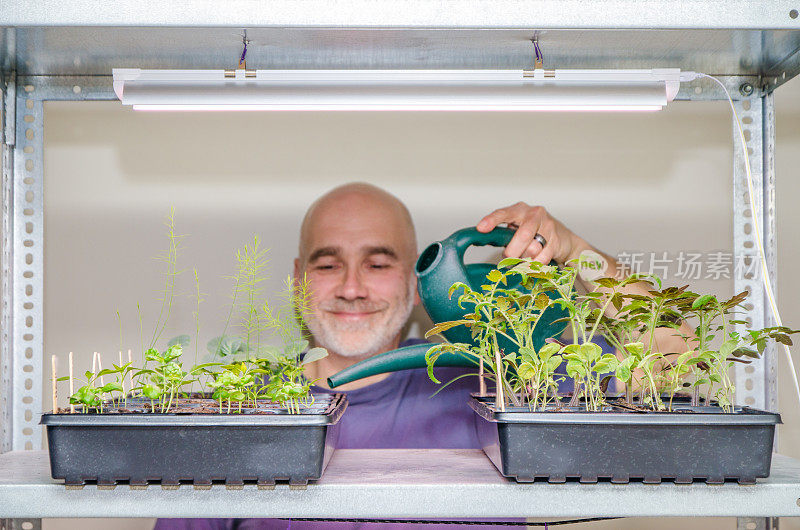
(654,182)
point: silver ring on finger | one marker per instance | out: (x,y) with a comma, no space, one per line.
(540,238)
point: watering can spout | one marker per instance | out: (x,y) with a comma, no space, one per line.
(405,358)
(438,267)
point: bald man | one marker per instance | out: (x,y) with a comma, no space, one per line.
(358,249)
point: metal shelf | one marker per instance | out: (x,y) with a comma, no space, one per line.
(395,483)
(756,39)
(594,14)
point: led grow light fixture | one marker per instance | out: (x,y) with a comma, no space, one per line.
(394,90)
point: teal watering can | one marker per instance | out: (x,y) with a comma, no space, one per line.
(437,269)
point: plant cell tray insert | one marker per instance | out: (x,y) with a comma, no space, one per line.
(197,448)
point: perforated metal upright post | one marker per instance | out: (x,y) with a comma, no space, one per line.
(22,271)
(757,382)
(23,254)
(22,274)
(23,248)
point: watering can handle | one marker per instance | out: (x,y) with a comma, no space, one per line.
(467,237)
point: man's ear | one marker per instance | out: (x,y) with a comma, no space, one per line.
(296,269)
(417,299)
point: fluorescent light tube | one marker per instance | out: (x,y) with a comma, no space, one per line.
(464,108)
(397,90)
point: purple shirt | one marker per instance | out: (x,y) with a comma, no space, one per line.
(399,412)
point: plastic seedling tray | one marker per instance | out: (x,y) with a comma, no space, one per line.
(690,444)
(136,447)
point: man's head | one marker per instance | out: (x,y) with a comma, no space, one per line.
(357,248)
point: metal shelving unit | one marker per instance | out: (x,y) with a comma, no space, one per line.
(64,50)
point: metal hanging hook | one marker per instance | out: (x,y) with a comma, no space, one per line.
(539,56)
(243,58)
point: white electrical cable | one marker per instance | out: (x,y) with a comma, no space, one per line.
(690,76)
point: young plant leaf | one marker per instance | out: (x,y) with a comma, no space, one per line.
(591,351)
(701,301)
(151,391)
(495,276)
(224,346)
(548,350)
(510,262)
(634,348)
(111,387)
(183,340)
(444,326)
(314,354)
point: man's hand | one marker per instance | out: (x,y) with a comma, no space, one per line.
(562,244)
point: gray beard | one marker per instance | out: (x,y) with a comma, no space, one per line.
(362,339)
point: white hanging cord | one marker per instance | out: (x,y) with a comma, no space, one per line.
(690,76)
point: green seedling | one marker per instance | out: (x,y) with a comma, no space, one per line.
(627,321)
(233,384)
(171,273)
(711,365)
(166,380)
(245,367)
(536,371)
(119,373)
(498,311)
(277,371)
(89,396)
(585,364)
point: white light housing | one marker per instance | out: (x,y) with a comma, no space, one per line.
(391,90)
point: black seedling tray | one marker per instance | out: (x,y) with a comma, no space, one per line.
(198,448)
(693,444)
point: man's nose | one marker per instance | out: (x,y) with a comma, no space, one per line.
(352,286)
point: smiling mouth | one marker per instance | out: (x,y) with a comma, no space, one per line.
(351,314)
(354,316)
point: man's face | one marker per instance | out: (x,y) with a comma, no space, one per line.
(359,262)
